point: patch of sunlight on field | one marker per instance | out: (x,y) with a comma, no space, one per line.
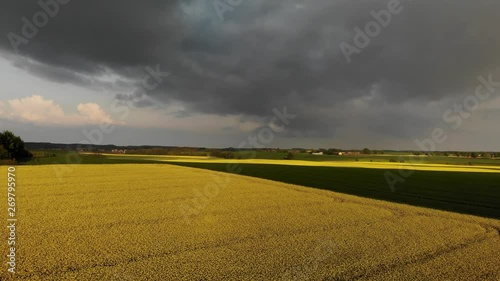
(124,222)
(349,164)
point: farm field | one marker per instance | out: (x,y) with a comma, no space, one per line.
(459,188)
(338,164)
(463,190)
(386,157)
(61,157)
(167,222)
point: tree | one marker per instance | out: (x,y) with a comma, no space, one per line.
(290,156)
(366,151)
(12,147)
(4,154)
(484,155)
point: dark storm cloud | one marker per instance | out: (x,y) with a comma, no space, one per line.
(267,54)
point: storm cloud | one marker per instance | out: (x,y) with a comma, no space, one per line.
(270,54)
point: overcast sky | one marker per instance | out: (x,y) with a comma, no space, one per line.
(354,74)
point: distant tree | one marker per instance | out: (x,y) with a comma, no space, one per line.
(13,147)
(366,151)
(290,156)
(473,155)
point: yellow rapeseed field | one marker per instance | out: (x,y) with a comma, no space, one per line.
(164,222)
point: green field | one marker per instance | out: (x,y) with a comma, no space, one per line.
(71,157)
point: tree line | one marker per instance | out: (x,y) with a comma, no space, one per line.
(461,154)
